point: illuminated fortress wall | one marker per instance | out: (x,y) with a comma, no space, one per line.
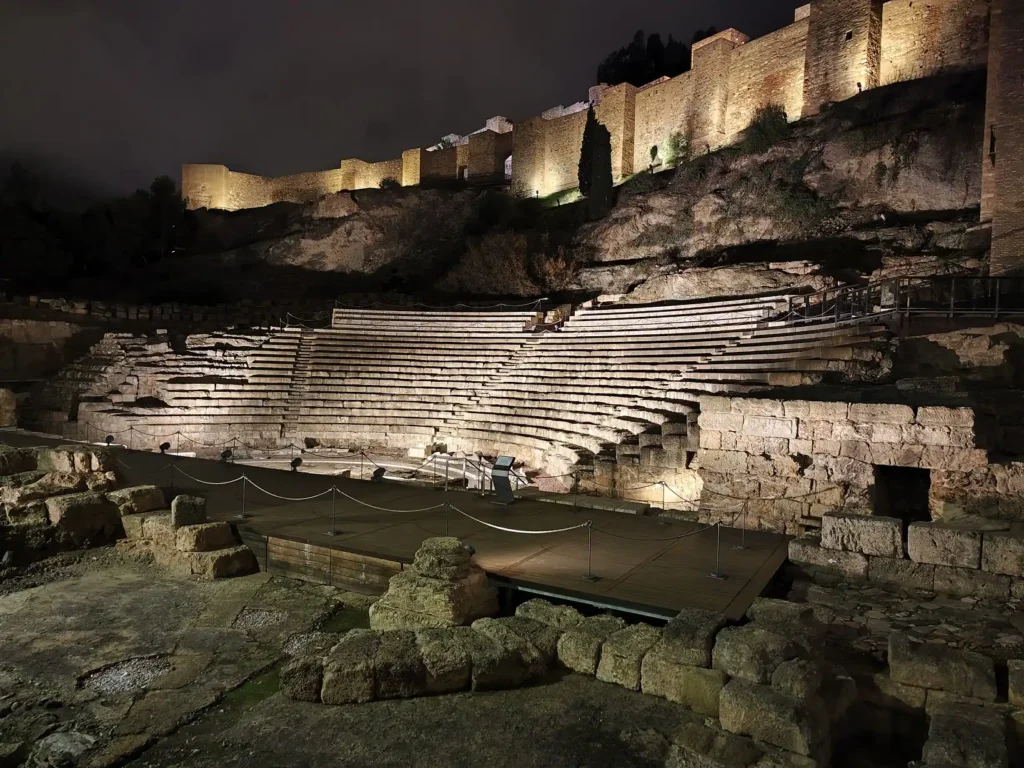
(833,50)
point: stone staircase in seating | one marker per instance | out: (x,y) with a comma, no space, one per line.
(480,381)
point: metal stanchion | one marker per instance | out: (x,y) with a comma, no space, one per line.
(662,495)
(717,573)
(334,512)
(446,459)
(131,437)
(241,515)
(177,443)
(361,454)
(743,533)
(590,554)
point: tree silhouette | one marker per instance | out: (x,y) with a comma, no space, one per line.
(595,169)
(643,60)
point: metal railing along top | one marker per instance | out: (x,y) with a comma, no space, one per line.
(953,296)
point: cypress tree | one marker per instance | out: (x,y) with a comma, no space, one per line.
(601,189)
(585,173)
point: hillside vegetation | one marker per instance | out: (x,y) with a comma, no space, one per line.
(886,183)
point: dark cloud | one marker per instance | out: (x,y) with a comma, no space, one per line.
(110,93)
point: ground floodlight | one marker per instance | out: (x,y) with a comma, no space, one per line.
(296,463)
(109,439)
(378,475)
(226,455)
(165,447)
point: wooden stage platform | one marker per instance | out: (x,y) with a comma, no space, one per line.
(646,565)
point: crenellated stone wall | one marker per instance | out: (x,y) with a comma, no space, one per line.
(833,50)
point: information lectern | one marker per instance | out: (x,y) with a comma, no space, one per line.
(501,475)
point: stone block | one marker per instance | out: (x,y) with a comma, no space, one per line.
(1015,694)
(756,406)
(139,498)
(579,649)
(222,564)
(562,617)
(941,668)
(205,537)
(1003,552)
(966,735)
(543,637)
(801,447)
(726,462)
(939,544)
(348,669)
(879,690)
(880,536)
(799,678)
(414,601)
(967,582)
(188,510)
(88,518)
(622,655)
(828,411)
(772,611)
(694,687)
(60,459)
(710,441)
(796,409)
(689,637)
(302,678)
(156,526)
(766,426)
(493,665)
(721,422)
(773,718)
(398,669)
(447,664)
(514,644)
(938,416)
(132,525)
(14,461)
(715,404)
(901,573)
(751,652)
(881,413)
(826,447)
(808,551)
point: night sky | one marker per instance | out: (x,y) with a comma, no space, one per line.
(100,96)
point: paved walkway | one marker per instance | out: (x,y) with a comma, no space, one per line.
(647,564)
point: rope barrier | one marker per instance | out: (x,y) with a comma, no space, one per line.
(385,509)
(287,498)
(209,482)
(587,524)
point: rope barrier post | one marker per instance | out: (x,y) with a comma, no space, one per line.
(590,554)
(662,495)
(241,515)
(361,465)
(465,482)
(446,460)
(743,529)
(717,573)
(334,512)
(131,435)
(177,435)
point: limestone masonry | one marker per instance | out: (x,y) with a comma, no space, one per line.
(833,50)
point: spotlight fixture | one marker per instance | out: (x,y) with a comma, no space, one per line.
(226,455)
(296,463)
(165,447)
(109,439)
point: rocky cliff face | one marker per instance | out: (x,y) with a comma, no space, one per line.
(885,183)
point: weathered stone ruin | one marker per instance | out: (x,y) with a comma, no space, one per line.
(442,588)
(181,538)
(62,498)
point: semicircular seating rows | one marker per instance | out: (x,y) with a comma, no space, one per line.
(478,381)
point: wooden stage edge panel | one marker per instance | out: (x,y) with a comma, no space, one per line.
(369,574)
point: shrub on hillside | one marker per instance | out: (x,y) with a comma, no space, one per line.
(390,183)
(769,127)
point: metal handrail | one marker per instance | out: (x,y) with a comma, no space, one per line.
(954,296)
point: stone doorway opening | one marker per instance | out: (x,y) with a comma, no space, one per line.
(902,492)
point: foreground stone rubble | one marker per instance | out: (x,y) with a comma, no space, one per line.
(54,499)
(771,692)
